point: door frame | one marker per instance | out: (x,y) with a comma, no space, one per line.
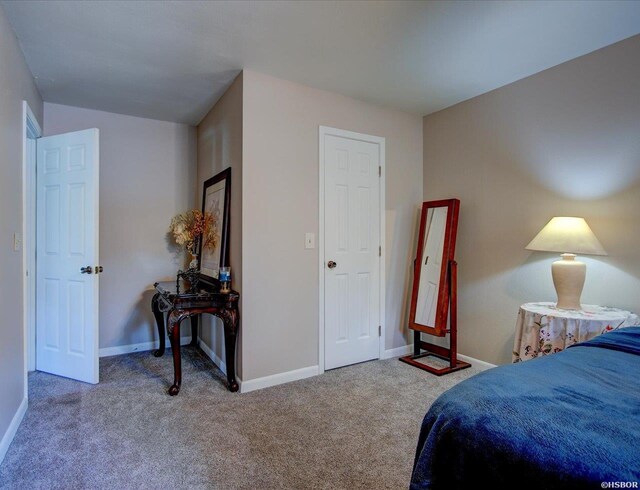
(30,130)
(324,131)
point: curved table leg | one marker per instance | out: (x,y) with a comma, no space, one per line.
(230,319)
(194,330)
(155,307)
(173,327)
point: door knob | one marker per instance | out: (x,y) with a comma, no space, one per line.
(331,264)
(86,270)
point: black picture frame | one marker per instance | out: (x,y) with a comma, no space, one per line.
(216,185)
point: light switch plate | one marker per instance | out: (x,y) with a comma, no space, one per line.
(309,240)
(17,242)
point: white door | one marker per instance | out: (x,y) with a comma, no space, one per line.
(66,244)
(351,242)
(431,267)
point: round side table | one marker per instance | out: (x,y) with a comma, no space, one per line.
(544,329)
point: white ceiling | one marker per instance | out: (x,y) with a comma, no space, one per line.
(173,60)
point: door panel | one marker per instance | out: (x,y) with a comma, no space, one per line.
(352,240)
(67,172)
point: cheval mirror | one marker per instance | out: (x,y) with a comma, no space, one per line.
(434,295)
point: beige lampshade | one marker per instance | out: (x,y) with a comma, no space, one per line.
(567,235)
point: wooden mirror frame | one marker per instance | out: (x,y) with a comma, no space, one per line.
(446,308)
(448,253)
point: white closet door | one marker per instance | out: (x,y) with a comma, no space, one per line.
(67,249)
(352,241)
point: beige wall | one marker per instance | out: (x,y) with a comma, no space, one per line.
(16,85)
(280,204)
(147,175)
(220,147)
(563,142)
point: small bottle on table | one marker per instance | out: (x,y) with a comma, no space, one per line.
(225,279)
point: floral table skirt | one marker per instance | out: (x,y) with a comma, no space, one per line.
(544,329)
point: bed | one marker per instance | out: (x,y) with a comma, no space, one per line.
(568,420)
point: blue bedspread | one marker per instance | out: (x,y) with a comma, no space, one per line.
(568,420)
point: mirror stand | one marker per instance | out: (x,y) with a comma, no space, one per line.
(434,298)
(447,354)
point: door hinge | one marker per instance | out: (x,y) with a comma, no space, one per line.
(379,330)
(380,171)
(380,251)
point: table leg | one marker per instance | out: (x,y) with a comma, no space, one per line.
(173,326)
(155,307)
(194,330)
(230,318)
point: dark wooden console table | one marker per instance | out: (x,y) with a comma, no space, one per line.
(172,299)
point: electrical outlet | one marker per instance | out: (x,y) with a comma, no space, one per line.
(309,240)
(17,242)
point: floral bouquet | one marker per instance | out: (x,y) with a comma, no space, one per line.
(191,227)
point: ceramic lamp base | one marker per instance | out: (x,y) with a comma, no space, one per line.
(568,279)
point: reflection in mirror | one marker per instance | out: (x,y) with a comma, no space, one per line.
(431,266)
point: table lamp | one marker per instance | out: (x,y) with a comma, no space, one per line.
(570,236)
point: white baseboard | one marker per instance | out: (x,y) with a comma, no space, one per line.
(118,350)
(278,379)
(397,352)
(13,428)
(408,349)
(483,365)
(212,355)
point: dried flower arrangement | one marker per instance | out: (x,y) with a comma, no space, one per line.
(190,227)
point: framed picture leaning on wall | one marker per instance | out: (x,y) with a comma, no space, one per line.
(216,197)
